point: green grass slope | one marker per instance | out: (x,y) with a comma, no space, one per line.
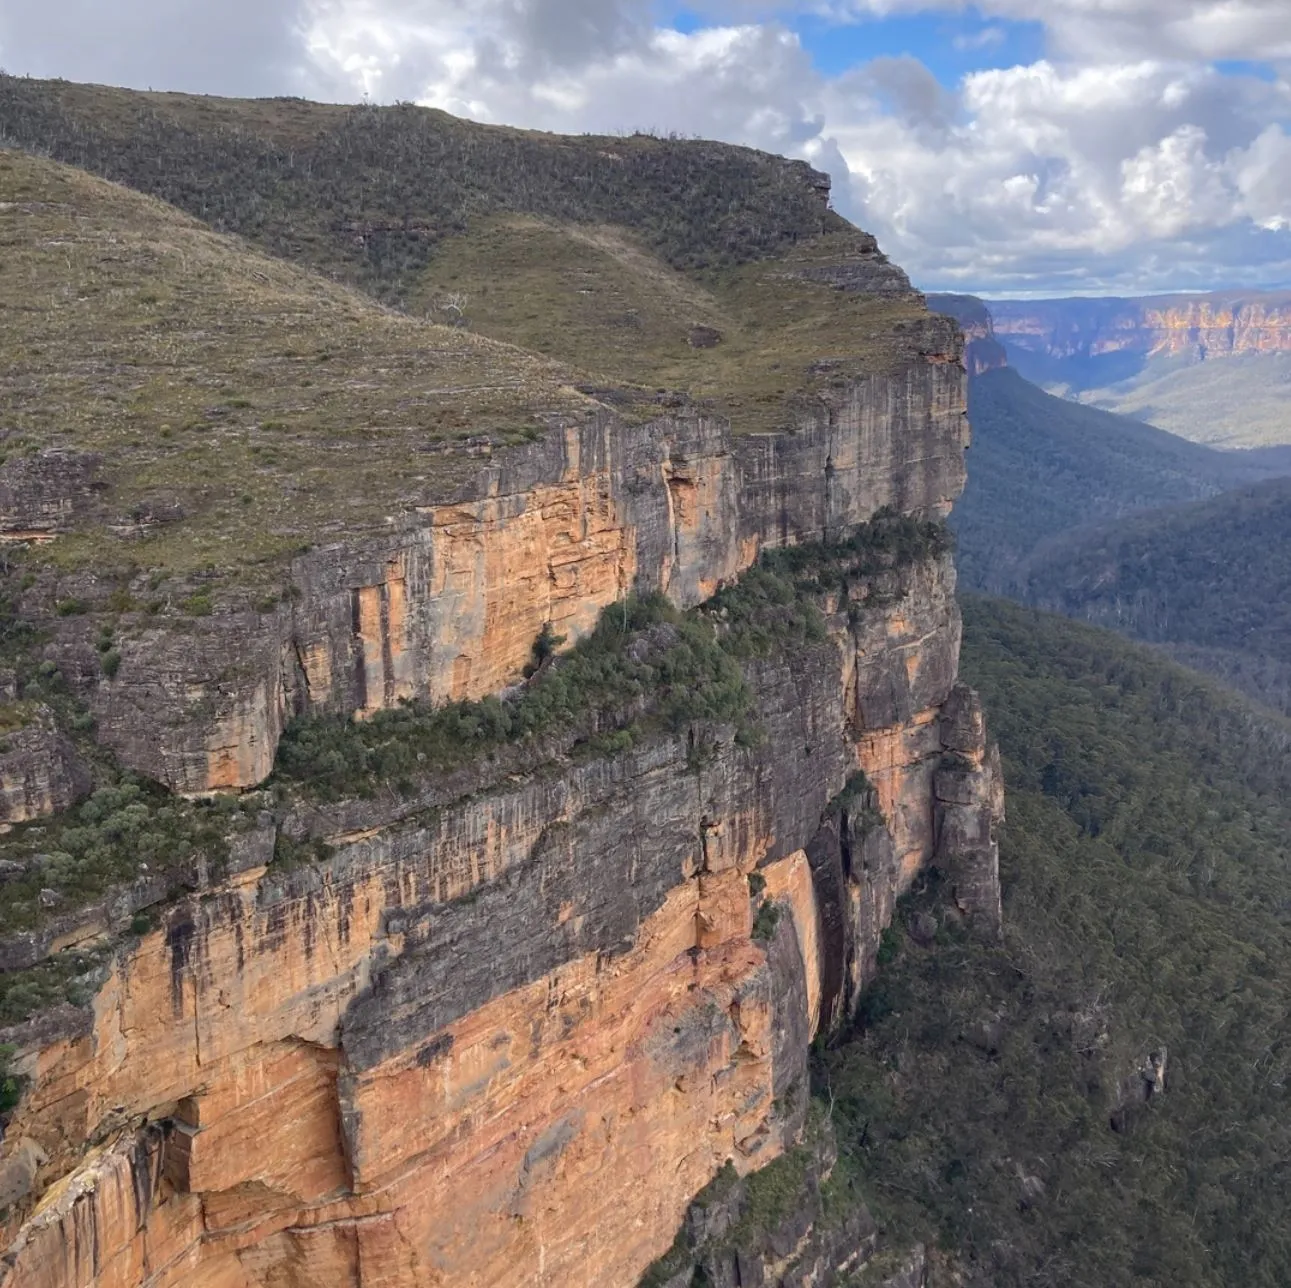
(1042,465)
(257,404)
(663,263)
(1211,581)
(1146,866)
(367,193)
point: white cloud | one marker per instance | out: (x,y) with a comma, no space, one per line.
(987,38)
(229,47)
(1262,174)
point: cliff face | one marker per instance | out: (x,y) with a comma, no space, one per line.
(504,1039)
(508,1028)
(982,350)
(1191,327)
(496,1018)
(448,605)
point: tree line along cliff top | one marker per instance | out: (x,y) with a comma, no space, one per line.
(275,359)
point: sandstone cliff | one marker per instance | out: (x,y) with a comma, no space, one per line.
(495,1020)
(982,350)
(1182,326)
(503,1037)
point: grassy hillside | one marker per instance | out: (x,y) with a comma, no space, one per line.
(1211,581)
(1041,465)
(254,404)
(990,1097)
(667,263)
(367,193)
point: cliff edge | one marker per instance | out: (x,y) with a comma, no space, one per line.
(447,853)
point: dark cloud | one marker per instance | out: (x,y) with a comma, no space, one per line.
(569,34)
(906,89)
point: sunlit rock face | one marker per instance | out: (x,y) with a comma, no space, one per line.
(1186,327)
(504,1036)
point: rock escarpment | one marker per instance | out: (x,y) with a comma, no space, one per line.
(1189,327)
(982,351)
(495,1021)
(512,1023)
(508,1027)
(447,606)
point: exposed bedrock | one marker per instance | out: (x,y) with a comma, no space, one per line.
(40,771)
(449,602)
(1197,328)
(504,1037)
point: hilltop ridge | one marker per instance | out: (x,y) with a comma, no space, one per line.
(478,665)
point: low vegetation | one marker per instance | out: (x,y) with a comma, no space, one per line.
(241,407)
(645,668)
(1232,402)
(122,831)
(990,1097)
(610,254)
(367,193)
(593,297)
(70,978)
(126,828)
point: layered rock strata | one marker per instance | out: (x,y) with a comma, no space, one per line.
(982,351)
(514,1018)
(508,1029)
(448,603)
(40,771)
(1188,327)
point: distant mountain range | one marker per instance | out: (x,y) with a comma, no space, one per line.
(1214,368)
(1042,466)
(1103,517)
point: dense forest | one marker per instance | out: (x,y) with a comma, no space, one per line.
(1006,1100)
(1041,466)
(1211,581)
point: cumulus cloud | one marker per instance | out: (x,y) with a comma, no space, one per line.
(1079,175)
(1108,30)
(1123,160)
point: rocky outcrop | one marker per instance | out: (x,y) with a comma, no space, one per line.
(774,1227)
(43,493)
(982,351)
(863,268)
(502,1023)
(511,1025)
(968,790)
(40,771)
(449,603)
(1188,327)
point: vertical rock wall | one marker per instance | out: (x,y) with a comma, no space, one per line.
(505,1040)
(448,604)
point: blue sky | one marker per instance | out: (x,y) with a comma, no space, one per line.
(1006,147)
(949,44)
